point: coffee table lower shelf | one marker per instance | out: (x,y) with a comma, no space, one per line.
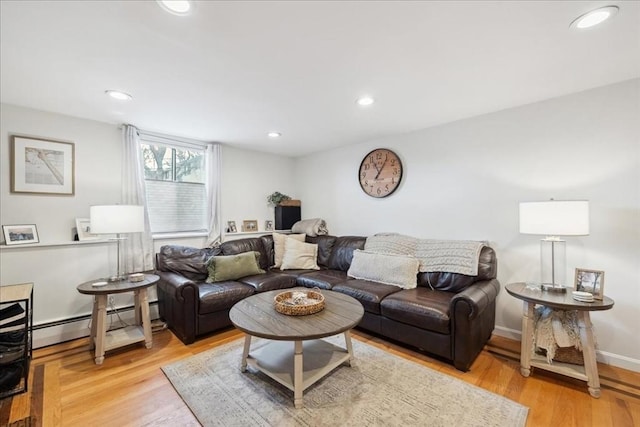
(283,361)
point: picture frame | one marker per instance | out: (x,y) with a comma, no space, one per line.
(83,227)
(231,226)
(268,225)
(591,281)
(249,225)
(42,166)
(20,234)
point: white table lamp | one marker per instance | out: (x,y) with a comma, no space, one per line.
(118,220)
(554,218)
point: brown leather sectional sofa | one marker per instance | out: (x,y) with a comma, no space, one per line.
(454,320)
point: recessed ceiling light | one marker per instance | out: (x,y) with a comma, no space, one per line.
(120,96)
(594,17)
(365,101)
(177,7)
(274,134)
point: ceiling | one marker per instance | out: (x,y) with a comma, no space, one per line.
(232,71)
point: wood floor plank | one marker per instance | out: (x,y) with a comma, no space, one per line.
(129,388)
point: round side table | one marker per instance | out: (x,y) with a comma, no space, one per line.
(532,295)
(102,340)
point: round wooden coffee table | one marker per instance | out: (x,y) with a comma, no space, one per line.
(256,316)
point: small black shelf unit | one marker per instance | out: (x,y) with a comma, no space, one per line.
(16,343)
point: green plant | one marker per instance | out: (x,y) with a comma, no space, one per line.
(276,198)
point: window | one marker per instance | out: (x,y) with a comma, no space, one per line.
(175,184)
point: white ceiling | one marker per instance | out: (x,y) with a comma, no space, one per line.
(233,71)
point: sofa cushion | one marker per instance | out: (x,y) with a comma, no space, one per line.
(269,281)
(325,246)
(185,260)
(420,307)
(342,251)
(233,247)
(221,296)
(323,279)
(278,246)
(231,267)
(299,255)
(395,270)
(370,294)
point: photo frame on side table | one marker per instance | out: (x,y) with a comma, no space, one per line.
(591,281)
(20,234)
(42,166)
(83,226)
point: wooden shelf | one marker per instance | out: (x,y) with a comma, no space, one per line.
(123,336)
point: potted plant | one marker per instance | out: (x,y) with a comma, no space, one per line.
(276,198)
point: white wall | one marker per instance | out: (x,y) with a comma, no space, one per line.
(464,180)
(57,265)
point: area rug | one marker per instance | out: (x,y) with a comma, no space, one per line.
(380,389)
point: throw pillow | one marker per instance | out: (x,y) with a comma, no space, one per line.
(233,267)
(299,255)
(395,270)
(278,246)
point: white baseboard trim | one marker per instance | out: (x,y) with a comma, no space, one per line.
(605,357)
(50,335)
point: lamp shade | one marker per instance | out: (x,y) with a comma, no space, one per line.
(116,219)
(555,218)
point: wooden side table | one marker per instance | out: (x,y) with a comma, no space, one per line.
(532,295)
(102,340)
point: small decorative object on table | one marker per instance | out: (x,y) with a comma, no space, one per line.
(231,227)
(136,277)
(299,303)
(590,281)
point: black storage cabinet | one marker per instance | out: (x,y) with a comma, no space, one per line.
(286,216)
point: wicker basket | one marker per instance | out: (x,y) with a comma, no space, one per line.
(565,355)
(284,303)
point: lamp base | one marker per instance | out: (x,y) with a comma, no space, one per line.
(551,287)
(117,278)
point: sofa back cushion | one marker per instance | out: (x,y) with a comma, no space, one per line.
(233,247)
(454,282)
(325,246)
(342,251)
(185,260)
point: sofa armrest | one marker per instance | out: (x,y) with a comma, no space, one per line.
(178,304)
(473,315)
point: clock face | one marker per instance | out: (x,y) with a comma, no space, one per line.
(380,172)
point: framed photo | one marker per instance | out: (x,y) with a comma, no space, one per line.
(20,234)
(42,166)
(591,281)
(83,226)
(231,226)
(250,225)
(268,225)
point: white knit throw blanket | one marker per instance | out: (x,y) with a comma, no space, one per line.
(450,256)
(555,328)
(311,227)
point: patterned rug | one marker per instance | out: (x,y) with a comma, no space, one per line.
(380,389)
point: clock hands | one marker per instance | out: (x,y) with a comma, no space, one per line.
(381,167)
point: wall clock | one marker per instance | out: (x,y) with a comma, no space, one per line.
(380,172)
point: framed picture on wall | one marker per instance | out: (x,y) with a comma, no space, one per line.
(591,281)
(20,234)
(42,166)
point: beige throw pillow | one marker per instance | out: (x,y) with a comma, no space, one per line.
(299,256)
(398,270)
(278,246)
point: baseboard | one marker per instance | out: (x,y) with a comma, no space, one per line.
(605,357)
(50,333)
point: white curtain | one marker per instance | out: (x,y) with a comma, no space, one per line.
(213,193)
(137,250)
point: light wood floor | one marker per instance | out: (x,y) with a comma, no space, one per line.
(129,389)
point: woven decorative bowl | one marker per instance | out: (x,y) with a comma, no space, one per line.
(298,303)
